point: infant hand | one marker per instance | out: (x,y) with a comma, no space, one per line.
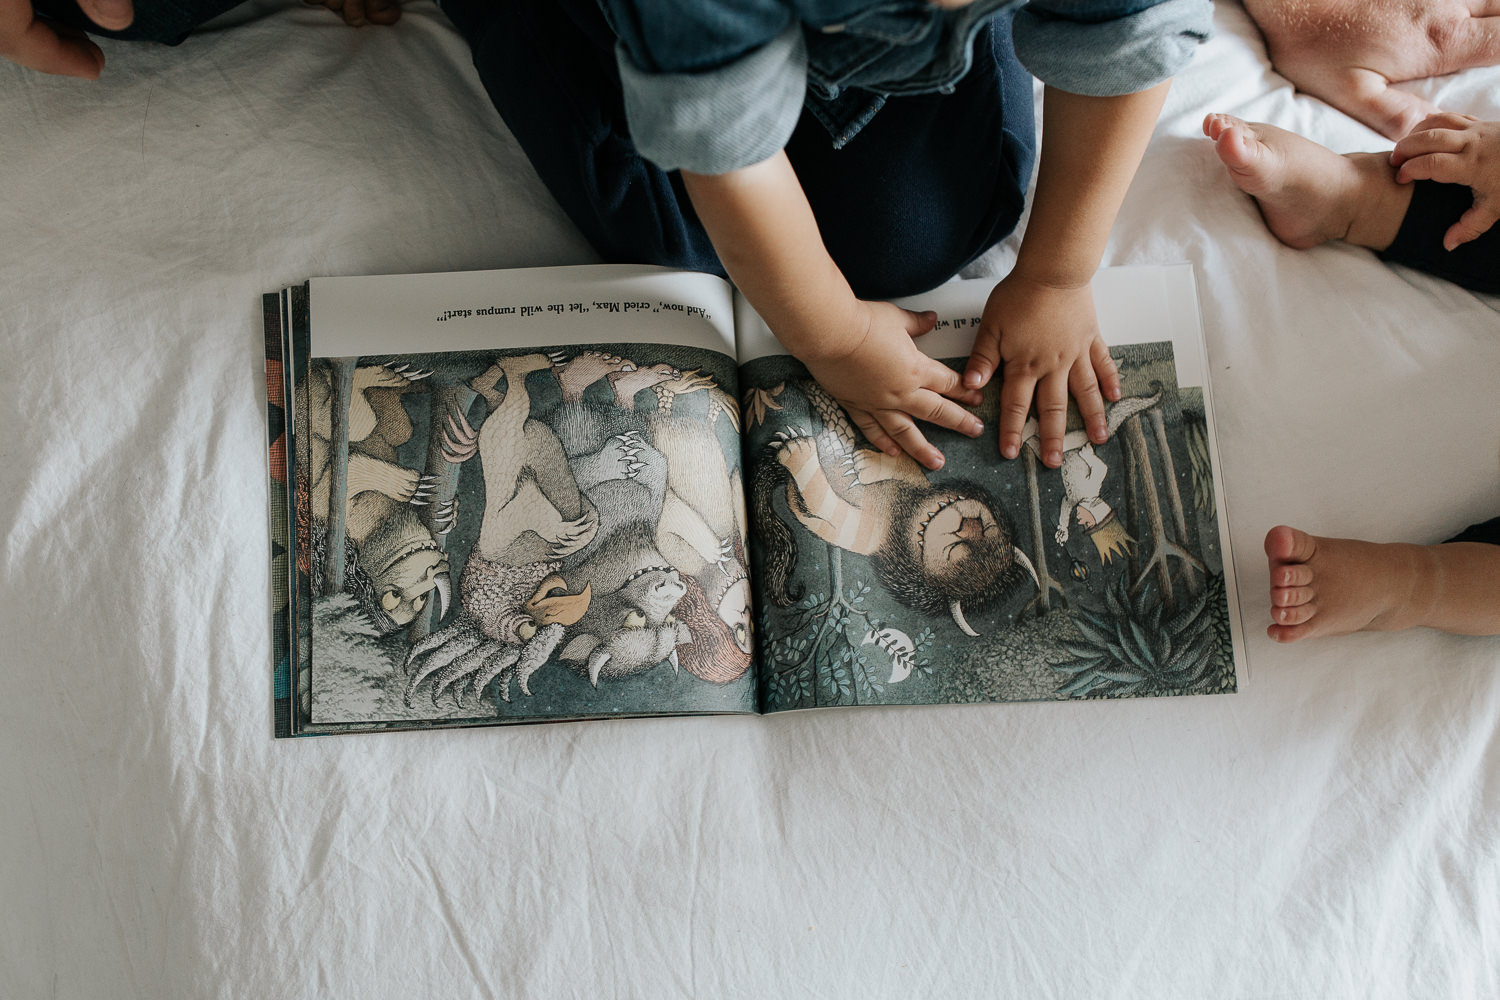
(357,12)
(52,47)
(1047,339)
(1456,149)
(884,382)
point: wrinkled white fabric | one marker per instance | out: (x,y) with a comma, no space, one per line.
(1332,831)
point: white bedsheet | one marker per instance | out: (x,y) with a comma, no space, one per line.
(1332,831)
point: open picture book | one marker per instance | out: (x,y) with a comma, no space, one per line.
(588,492)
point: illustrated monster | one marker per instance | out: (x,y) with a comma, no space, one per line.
(937,549)
(701,531)
(514,603)
(393,565)
(630,625)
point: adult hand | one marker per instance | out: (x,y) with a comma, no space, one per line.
(1045,341)
(52,47)
(886,384)
(1350,53)
(1456,149)
(357,12)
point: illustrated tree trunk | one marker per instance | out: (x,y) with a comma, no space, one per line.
(1174,495)
(341,391)
(1042,602)
(1162,547)
(1132,508)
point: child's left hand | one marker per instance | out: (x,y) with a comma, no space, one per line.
(1456,149)
(1047,340)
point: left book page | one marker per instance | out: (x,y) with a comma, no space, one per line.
(535,479)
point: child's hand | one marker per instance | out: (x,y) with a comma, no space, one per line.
(1456,149)
(1047,338)
(884,381)
(52,47)
(357,12)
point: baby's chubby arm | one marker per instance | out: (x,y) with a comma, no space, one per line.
(1456,149)
(1039,322)
(51,47)
(861,352)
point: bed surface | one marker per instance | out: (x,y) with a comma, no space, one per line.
(1331,831)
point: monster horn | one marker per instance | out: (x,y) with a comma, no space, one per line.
(957,611)
(1021,558)
(596,664)
(676,668)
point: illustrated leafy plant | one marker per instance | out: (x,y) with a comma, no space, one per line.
(1134,647)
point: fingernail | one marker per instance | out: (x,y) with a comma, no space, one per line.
(976,428)
(1008,450)
(1054,458)
(935,462)
(972,380)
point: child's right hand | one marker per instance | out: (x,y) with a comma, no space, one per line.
(884,382)
(1456,149)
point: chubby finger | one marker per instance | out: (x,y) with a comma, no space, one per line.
(918,323)
(1015,404)
(901,427)
(1431,141)
(1106,372)
(1084,386)
(941,379)
(872,431)
(1052,416)
(1471,225)
(939,410)
(984,358)
(111,15)
(48,47)
(1445,168)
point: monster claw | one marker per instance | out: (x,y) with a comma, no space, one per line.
(398,369)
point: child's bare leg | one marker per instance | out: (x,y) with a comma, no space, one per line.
(1307,193)
(1334,586)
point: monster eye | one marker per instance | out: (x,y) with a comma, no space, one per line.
(390,600)
(670,620)
(418,603)
(526,630)
(634,620)
(741,634)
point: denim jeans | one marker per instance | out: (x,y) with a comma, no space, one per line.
(928,185)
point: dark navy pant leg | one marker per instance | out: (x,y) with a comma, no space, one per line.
(932,182)
(549,68)
(1485,531)
(1419,243)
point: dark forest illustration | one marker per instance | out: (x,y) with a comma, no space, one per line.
(524,532)
(883,583)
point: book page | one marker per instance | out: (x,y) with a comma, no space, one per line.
(542,513)
(990,580)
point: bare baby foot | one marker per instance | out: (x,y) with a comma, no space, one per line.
(1334,586)
(1307,193)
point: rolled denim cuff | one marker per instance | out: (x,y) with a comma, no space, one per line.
(1108,58)
(718,120)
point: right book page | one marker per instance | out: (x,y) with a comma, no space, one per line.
(878,582)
